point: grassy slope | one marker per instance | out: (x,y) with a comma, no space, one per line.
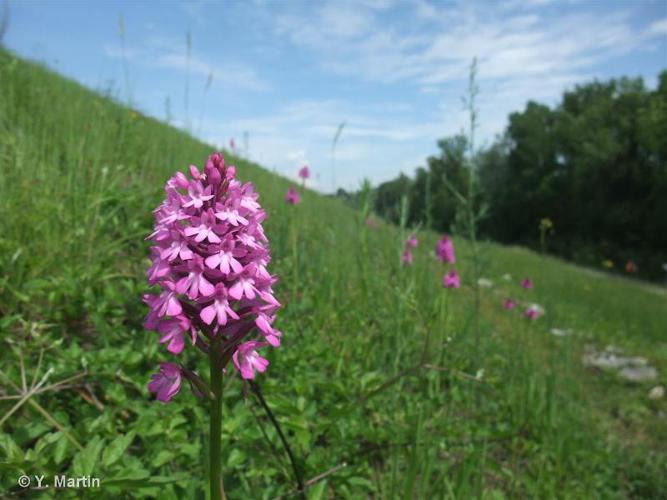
(79,176)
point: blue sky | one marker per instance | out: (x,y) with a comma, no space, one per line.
(289,72)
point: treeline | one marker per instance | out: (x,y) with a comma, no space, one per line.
(595,165)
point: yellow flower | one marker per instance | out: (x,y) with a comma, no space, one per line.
(608,263)
(546,223)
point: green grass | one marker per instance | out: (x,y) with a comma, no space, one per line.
(79,177)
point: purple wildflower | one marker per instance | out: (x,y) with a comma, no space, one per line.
(527,283)
(304,173)
(451,280)
(167,382)
(406,258)
(292,197)
(219,309)
(444,250)
(247,360)
(509,304)
(209,262)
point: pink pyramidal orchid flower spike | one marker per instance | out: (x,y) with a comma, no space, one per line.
(444,250)
(212,288)
(527,283)
(406,257)
(451,280)
(304,172)
(509,304)
(292,197)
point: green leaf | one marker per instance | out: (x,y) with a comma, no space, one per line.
(317,491)
(11,449)
(162,458)
(116,449)
(85,461)
(236,457)
(61,449)
(144,482)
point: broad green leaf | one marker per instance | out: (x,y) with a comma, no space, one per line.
(162,458)
(317,491)
(86,460)
(116,449)
(61,449)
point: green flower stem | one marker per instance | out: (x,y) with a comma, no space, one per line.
(215,452)
(297,473)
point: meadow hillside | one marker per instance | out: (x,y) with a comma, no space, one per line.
(379,385)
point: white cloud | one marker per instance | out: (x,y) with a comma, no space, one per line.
(657,28)
(164,53)
(359,42)
(234,75)
(522,54)
(120,53)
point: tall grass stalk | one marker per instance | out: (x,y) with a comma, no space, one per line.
(334,143)
(126,71)
(207,86)
(188,57)
(470,211)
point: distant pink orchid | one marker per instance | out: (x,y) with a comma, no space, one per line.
(292,197)
(509,304)
(304,172)
(167,382)
(412,241)
(630,267)
(247,360)
(451,280)
(444,250)
(527,283)
(533,311)
(406,257)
